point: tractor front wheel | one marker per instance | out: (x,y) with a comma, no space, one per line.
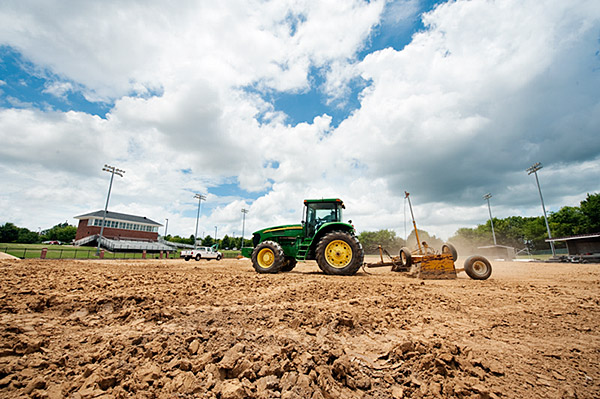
(339,253)
(268,257)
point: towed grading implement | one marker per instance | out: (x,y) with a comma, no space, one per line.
(425,263)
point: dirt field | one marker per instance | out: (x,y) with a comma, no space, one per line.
(175,329)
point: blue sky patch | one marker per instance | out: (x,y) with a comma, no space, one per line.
(26,85)
(302,107)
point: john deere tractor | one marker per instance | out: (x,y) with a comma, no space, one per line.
(322,236)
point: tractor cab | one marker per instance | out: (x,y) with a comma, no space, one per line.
(319,212)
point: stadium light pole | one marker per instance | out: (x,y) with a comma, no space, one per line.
(113,171)
(244,212)
(215,234)
(200,198)
(166,226)
(533,169)
(487,197)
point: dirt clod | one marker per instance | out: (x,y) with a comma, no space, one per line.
(169,328)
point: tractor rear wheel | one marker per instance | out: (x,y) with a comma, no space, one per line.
(268,257)
(478,268)
(339,253)
(288,264)
(405,257)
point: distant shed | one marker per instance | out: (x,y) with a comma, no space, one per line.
(498,252)
(583,244)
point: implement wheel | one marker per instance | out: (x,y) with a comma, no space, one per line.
(405,257)
(478,268)
(339,253)
(448,248)
(267,257)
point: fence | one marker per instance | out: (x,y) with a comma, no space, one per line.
(81,253)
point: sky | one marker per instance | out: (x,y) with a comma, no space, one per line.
(259,104)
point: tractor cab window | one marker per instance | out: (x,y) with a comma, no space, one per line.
(319,213)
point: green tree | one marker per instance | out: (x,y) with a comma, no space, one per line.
(61,232)
(509,231)
(208,241)
(226,242)
(590,207)
(9,233)
(567,221)
(27,236)
(535,234)
(371,240)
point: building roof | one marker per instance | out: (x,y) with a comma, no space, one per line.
(496,246)
(119,216)
(577,237)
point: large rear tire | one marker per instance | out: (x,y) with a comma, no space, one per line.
(478,268)
(268,257)
(339,253)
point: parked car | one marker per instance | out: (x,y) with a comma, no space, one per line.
(52,242)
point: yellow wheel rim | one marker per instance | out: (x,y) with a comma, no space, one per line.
(338,254)
(265,258)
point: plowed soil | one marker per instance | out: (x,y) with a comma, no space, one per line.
(208,329)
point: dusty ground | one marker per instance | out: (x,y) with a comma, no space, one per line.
(169,328)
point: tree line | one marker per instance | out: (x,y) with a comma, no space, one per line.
(531,232)
(62,232)
(514,231)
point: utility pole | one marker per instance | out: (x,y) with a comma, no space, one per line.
(215,234)
(487,197)
(113,171)
(166,226)
(200,198)
(533,169)
(244,212)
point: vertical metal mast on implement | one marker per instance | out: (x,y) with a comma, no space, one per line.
(407,196)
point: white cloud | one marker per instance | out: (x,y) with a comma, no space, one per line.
(484,91)
(58,89)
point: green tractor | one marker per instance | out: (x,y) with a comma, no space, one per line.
(322,236)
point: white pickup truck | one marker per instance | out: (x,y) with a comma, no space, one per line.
(201,253)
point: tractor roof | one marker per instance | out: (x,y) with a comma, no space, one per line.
(324,201)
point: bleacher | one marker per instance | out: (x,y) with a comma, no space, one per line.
(124,245)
